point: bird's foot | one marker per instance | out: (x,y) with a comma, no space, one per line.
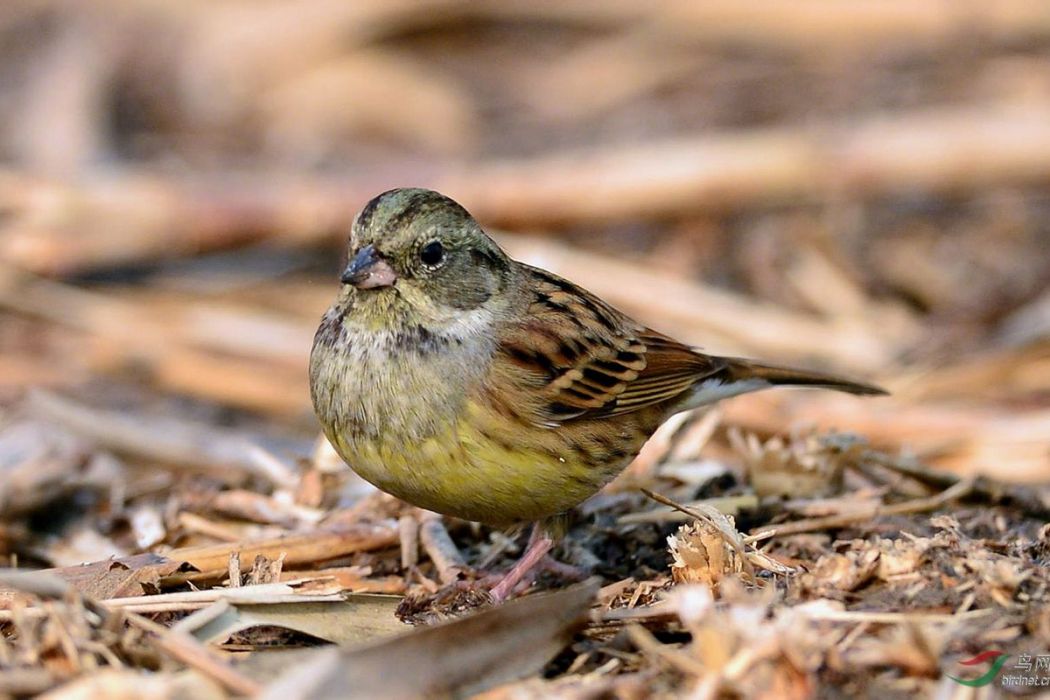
(539,545)
(534,561)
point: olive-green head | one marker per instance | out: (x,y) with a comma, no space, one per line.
(417,251)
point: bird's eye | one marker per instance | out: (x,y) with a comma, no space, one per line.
(432,253)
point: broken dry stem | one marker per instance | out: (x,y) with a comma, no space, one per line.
(831,522)
(729,534)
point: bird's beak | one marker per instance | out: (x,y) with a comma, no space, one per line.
(368,270)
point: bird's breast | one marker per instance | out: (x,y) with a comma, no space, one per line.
(402,384)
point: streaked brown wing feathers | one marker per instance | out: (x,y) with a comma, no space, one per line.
(671,369)
(584,359)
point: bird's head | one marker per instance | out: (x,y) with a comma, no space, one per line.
(416,256)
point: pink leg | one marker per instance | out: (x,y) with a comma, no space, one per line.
(539,544)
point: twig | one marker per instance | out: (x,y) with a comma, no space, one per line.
(888,617)
(189,651)
(441,549)
(262,593)
(918,505)
(194,523)
(408,531)
(1032,499)
(234,569)
(813,25)
(729,505)
(299,548)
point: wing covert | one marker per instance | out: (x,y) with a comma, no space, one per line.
(576,357)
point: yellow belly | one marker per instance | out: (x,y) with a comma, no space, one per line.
(478,469)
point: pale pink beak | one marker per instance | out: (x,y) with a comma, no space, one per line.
(368,270)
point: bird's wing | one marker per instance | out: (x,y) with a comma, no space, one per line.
(575,357)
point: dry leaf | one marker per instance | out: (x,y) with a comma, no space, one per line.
(120,578)
(357,619)
(459,657)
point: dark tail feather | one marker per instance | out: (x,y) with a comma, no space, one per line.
(738,370)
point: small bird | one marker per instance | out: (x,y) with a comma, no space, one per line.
(473,385)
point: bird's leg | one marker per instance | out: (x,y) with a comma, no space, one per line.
(540,543)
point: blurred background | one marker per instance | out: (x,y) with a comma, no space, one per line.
(859,186)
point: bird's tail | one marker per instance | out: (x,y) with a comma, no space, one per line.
(738,376)
(740,370)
